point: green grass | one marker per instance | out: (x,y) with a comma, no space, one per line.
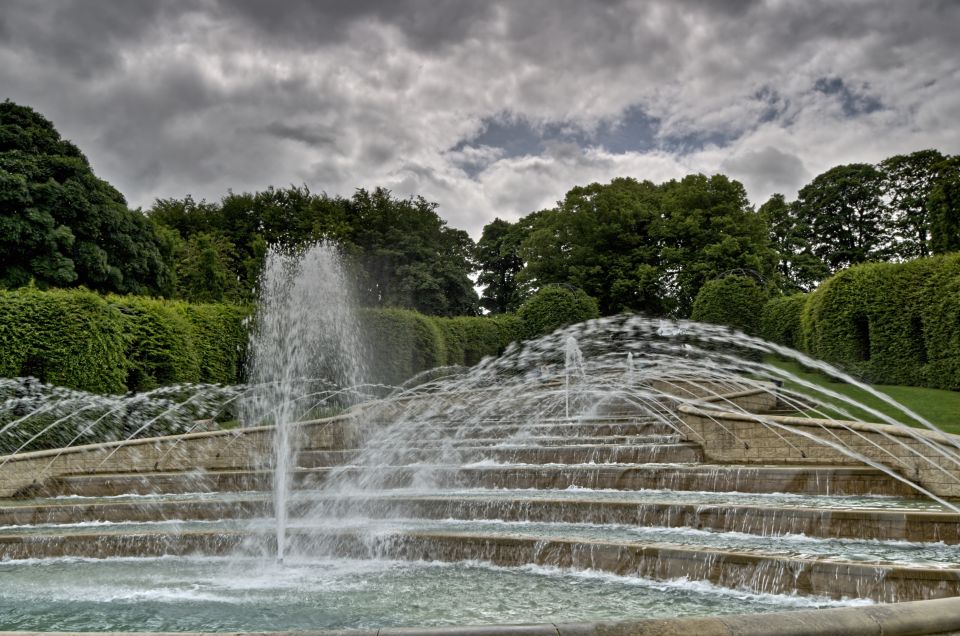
(939,407)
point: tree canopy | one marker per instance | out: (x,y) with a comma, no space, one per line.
(61,226)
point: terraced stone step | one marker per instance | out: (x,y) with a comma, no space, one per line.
(769,521)
(754,571)
(554,440)
(568,454)
(575,429)
(807,479)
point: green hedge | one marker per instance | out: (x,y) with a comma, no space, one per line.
(780,320)
(890,323)
(553,307)
(402,343)
(69,338)
(734,301)
(81,340)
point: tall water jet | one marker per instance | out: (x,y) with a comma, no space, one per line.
(305,332)
(573,366)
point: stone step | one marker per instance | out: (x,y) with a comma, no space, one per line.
(569,429)
(754,571)
(569,454)
(865,524)
(807,479)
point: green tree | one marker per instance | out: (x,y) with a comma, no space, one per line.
(206,270)
(61,225)
(553,307)
(734,301)
(498,258)
(907,184)
(844,217)
(707,229)
(600,238)
(798,269)
(944,206)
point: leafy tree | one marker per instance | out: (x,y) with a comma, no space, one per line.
(408,256)
(206,270)
(600,238)
(907,183)
(798,268)
(60,225)
(844,217)
(944,206)
(497,255)
(707,229)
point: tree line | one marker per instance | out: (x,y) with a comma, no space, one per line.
(632,245)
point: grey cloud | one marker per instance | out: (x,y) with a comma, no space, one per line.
(767,170)
(308,135)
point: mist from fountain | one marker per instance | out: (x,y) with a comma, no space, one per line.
(305,327)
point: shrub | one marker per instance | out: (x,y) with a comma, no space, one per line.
(780,320)
(553,307)
(734,301)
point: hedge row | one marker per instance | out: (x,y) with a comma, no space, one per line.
(780,320)
(112,344)
(403,343)
(888,323)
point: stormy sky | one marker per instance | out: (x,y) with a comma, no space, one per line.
(488,108)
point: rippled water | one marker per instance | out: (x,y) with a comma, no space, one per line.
(211,594)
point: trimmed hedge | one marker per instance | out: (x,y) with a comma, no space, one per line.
(780,320)
(402,343)
(890,323)
(71,338)
(734,301)
(553,307)
(81,340)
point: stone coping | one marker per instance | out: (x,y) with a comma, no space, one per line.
(139,441)
(808,422)
(914,618)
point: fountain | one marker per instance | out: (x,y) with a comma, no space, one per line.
(549,484)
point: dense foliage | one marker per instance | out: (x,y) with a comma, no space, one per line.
(554,307)
(887,323)
(905,207)
(81,340)
(780,320)
(61,226)
(734,301)
(404,254)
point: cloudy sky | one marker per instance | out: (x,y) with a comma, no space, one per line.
(488,108)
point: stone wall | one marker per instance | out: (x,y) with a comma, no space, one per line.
(216,450)
(924,457)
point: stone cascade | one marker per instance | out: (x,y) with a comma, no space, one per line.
(616,491)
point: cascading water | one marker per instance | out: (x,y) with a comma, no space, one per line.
(305,332)
(499,468)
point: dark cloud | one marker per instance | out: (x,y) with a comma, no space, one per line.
(305,134)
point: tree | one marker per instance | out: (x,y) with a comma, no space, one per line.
(498,258)
(944,206)
(206,270)
(843,216)
(798,269)
(600,238)
(60,225)
(734,301)
(707,229)
(907,184)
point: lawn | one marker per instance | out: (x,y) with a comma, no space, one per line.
(938,406)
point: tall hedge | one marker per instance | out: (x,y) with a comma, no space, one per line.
(71,338)
(780,320)
(401,343)
(734,301)
(890,323)
(112,344)
(553,307)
